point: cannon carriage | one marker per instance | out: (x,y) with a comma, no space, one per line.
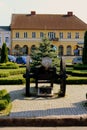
(46,74)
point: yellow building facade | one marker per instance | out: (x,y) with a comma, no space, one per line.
(65,39)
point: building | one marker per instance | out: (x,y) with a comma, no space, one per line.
(66,32)
(5,37)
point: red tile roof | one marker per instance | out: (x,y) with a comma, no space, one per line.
(47,21)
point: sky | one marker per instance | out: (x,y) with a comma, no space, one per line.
(9,7)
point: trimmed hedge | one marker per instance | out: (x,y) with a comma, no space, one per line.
(9,65)
(3,104)
(16,79)
(4,99)
(7,73)
(4,74)
(80,67)
(78,73)
(17,71)
(76,80)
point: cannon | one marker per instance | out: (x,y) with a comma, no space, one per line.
(42,74)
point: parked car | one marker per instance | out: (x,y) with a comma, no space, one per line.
(21,60)
(11,58)
(77,60)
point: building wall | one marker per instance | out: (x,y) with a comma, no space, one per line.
(5,37)
(29,41)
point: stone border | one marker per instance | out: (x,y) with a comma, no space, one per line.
(43,122)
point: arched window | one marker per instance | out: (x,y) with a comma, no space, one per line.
(60,50)
(17,50)
(33,47)
(25,49)
(68,50)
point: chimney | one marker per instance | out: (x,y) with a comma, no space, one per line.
(69,13)
(33,12)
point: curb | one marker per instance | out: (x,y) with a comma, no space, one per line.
(43,122)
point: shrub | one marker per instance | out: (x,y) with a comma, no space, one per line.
(17,71)
(9,65)
(80,67)
(4,74)
(76,80)
(4,99)
(16,79)
(7,97)
(3,104)
(4,53)
(3,93)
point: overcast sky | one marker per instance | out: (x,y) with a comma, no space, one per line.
(8,7)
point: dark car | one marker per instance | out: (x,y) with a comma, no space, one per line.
(11,58)
(21,60)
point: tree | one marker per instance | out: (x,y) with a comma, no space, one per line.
(45,49)
(4,53)
(84,56)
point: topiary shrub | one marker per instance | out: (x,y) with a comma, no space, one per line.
(4,53)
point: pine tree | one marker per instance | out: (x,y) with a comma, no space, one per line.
(45,49)
(84,56)
(4,53)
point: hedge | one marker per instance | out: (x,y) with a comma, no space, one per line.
(80,67)
(9,65)
(4,99)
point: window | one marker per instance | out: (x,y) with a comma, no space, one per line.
(68,50)
(7,39)
(61,49)
(61,35)
(17,34)
(41,34)
(33,35)
(51,35)
(69,35)
(25,34)
(25,50)
(77,35)
(33,47)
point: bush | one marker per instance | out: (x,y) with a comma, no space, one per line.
(3,104)
(17,71)
(4,74)
(7,97)
(4,53)
(3,93)
(76,80)
(4,99)
(16,79)
(80,67)
(9,65)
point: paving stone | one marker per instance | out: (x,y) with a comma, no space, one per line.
(69,106)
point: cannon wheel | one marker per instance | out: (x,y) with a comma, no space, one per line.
(62,78)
